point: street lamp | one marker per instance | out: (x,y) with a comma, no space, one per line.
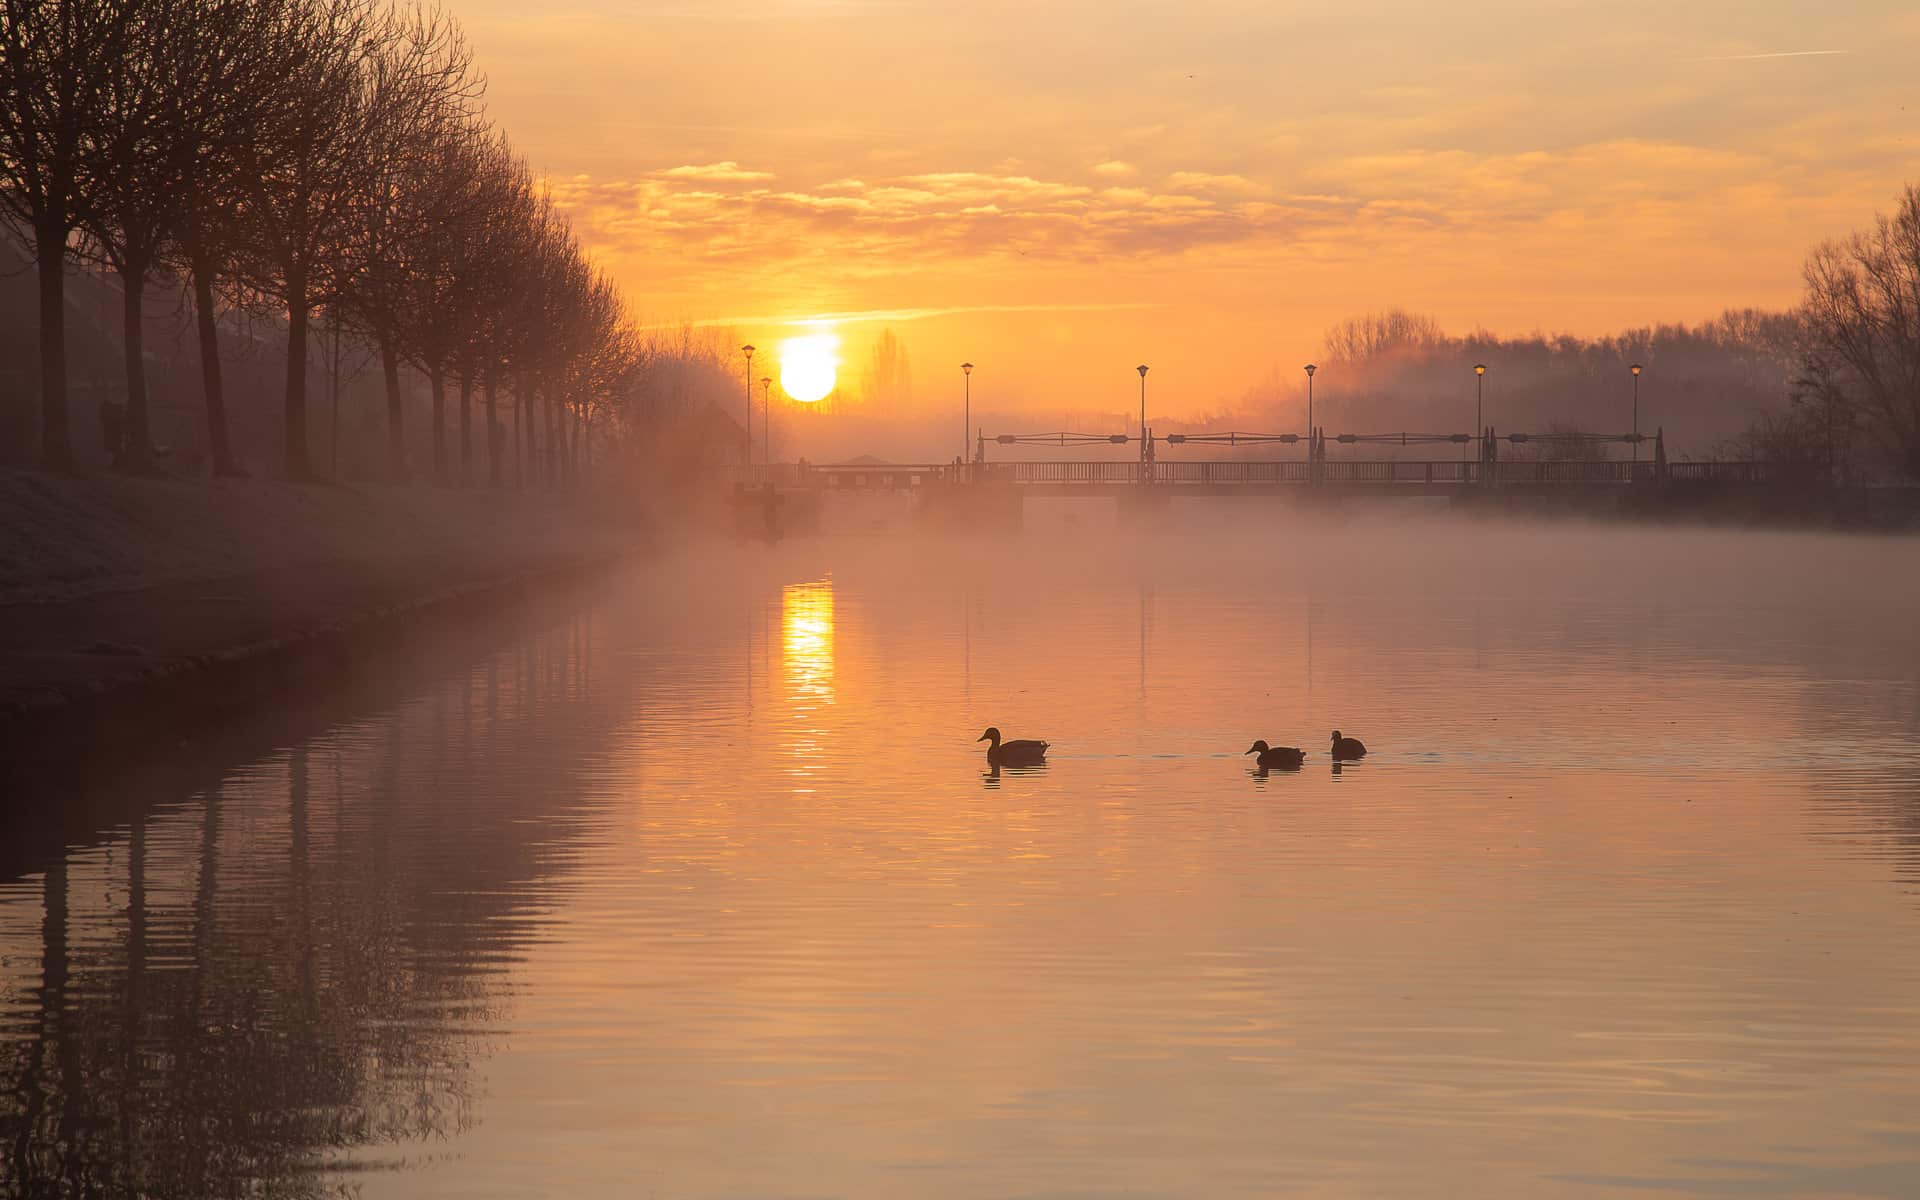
(1479,381)
(748,351)
(1636,368)
(766,414)
(1310,370)
(1142,368)
(1143,407)
(966,412)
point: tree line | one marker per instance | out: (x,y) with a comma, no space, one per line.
(329,163)
(1835,379)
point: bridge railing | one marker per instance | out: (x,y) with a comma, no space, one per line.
(1230,472)
(1745,472)
(1091,472)
(1568,471)
(1235,472)
(849,476)
(1398,471)
(759,474)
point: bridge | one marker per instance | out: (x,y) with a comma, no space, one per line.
(1395,475)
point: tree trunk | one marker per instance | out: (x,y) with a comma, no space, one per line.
(534,449)
(519,392)
(556,442)
(220,445)
(333,395)
(297,463)
(437,387)
(50,250)
(549,460)
(493,432)
(136,449)
(396,426)
(573,448)
(466,429)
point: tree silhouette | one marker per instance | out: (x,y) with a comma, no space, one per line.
(58,60)
(1862,321)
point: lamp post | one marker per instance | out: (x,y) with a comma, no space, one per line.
(1142,368)
(1143,403)
(1479,423)
(766,416)
(1310,370)
(966,411)
(1635,368)
(748,380)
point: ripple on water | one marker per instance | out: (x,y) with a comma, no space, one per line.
(707,891)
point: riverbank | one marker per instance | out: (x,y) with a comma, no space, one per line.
(1871,510)
(133,611)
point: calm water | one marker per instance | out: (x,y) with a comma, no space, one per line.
(706,892)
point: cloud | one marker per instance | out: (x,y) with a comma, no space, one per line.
(1199,181)
(913,218)
(1772,54)
(1018,236)
(720,172)
(1115,169)
(894,316)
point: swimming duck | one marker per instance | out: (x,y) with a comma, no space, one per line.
(1284,757)
(1022,752)
(1346,747)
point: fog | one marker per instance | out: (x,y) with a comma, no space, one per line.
(718,826)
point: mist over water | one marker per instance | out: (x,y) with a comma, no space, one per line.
(708,890)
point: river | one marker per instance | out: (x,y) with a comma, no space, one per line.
(706,890)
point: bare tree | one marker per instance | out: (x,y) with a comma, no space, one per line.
(477,253)
(297,213)
(1358,339)
(303,157)
(442,293)
(56,60)
(887,382)
(233,60)
(1862,321)
(419,96)
(183,94)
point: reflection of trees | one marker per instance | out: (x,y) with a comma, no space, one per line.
(301,961)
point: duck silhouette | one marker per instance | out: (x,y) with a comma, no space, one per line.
(1021,752)
(1284,757)
(1347,748)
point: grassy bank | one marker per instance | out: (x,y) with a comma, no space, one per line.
(137,608)
(64,539)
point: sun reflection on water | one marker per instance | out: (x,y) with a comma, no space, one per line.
(806,629)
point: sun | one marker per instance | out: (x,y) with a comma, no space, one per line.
(808,365)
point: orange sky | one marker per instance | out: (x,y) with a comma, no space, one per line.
(1060,192)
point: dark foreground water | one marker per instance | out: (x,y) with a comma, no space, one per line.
(706,891)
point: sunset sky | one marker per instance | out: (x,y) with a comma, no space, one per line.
(1061,191)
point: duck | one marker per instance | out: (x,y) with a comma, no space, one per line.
(1022,752)
(1346,747)
(1284,757)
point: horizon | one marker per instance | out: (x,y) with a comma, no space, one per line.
(507,578)
(1201,192)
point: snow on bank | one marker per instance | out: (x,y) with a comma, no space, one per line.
(66,538)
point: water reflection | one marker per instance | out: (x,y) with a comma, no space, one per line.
(990,778)
(806,638)
(1260,774)
(1629,900)
(249,983)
